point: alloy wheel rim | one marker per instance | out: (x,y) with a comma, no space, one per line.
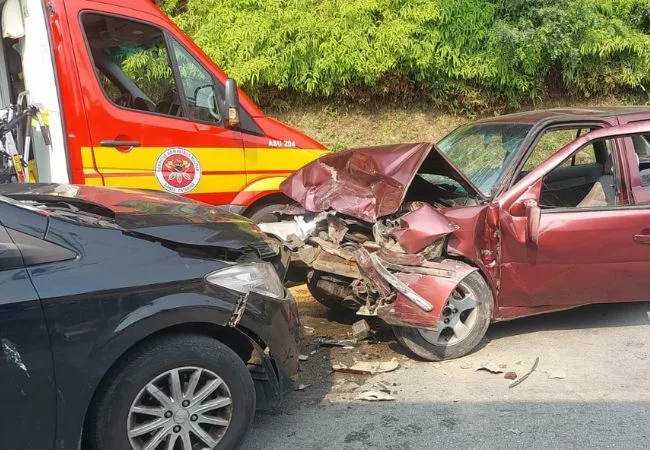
(186,408)
(458,318)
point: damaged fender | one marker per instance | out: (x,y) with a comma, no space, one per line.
(437,289)
(422,291)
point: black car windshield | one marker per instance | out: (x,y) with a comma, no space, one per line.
(483,151)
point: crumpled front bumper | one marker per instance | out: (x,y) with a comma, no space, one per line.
(276,325)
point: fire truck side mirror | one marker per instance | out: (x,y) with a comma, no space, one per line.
(232,103)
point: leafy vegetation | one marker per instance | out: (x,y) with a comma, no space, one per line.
(467,55)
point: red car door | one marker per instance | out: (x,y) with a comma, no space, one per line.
(591,253)
(152,114)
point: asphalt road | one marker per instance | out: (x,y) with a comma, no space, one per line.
(591,389)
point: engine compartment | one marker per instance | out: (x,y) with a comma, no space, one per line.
(387,268)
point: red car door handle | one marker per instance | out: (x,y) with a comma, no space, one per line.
(642,238)
(123,146)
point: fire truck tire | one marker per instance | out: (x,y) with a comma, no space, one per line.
(451,341)
(264,213)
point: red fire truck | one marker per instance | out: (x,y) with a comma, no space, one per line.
(131,101)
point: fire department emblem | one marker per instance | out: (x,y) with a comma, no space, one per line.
(177,170)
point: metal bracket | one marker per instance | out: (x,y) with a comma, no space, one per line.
(238,312)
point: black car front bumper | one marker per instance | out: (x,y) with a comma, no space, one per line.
(276,327)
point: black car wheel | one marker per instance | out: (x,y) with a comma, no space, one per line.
(182,392)
(464,321)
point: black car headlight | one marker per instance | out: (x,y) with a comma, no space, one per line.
(259,277)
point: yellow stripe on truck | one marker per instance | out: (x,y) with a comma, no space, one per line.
(136,168)
(222,169)
(144,158)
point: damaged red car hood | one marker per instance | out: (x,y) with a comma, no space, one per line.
(366,183)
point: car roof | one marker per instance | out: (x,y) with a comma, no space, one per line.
(533,117)
(146,6)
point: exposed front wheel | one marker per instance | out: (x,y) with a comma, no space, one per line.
(182,392)
(463,323)
(331,291)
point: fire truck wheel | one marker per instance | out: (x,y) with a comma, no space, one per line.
(463,323)
(264,213)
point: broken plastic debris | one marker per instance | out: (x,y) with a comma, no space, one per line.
(526,375)
(374,396)
(325,342)
(308,330)
(557,374)
(303,357)
(360,330)
(302,387)
(367,367)
(384,387)
(490,367)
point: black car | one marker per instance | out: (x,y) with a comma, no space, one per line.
(136,319)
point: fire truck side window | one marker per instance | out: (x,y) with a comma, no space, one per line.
(134,58)
(198,86)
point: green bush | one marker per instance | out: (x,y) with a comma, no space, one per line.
(461,53)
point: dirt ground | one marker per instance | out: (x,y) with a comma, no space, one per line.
(380,346)
(590,388)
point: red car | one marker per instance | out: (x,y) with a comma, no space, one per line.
(506,217)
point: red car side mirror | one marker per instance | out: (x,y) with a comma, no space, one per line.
(533,216)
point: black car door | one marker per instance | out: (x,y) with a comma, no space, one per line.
(27,389)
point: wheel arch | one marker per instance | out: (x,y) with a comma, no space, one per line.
(268,199)
(259,190)
(481,269)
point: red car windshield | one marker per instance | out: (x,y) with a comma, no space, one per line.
(483,151)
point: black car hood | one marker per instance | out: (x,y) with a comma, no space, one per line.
(155,214)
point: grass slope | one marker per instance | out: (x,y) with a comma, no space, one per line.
(340,127)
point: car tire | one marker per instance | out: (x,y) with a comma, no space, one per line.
(430,346)
(322,286)
(264,213)
(117,410)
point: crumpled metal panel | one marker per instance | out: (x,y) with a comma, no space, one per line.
(368,270)
(436,290)
(366,183)
(421,227)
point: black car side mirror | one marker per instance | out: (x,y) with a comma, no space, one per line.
(232,103)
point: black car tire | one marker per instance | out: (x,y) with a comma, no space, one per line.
(108,420)
(317,280)
(264,213)
(415,342)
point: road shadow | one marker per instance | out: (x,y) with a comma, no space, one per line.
(610,315)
